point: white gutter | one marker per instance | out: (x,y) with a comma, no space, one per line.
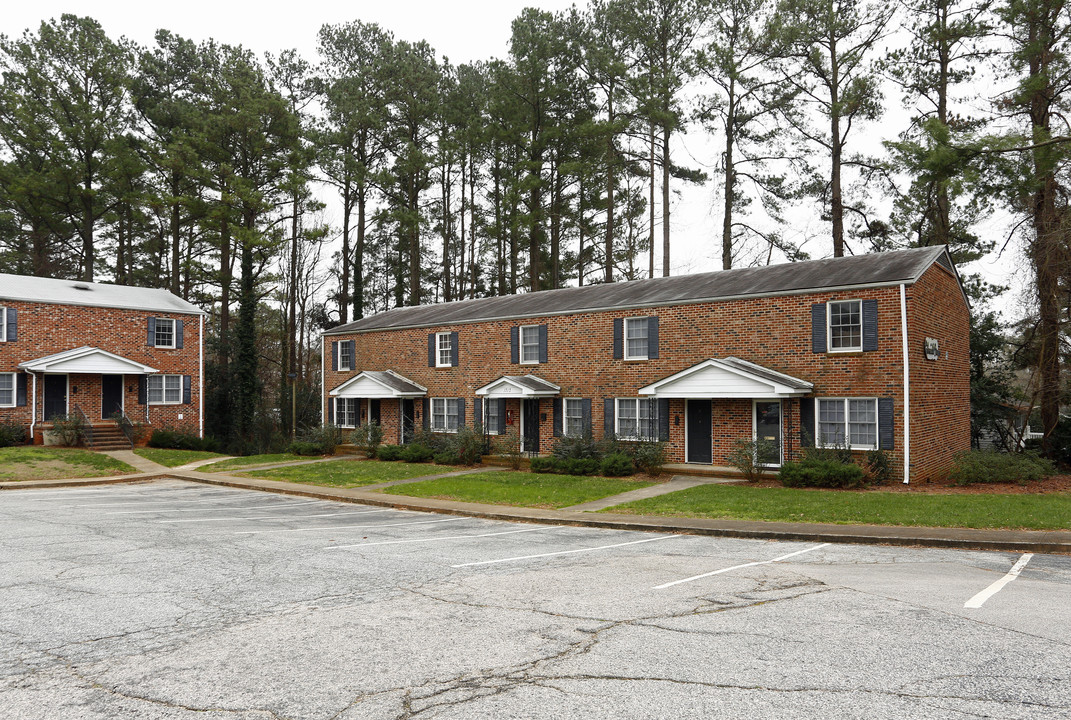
(907,386)
(200,374)
(33,415)
(323,381)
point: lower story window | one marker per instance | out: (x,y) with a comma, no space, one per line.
(574,417)
(164,389)
(346,412)
(492,416)
(635,419)
(444,414)
(7,389)
(851,422)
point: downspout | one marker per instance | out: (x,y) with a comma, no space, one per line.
(200,373)
(323,381)
(907,386)
(33,414)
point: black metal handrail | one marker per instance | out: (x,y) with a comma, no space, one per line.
(86,429)
(126,426)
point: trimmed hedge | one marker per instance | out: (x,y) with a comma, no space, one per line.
(822,473)
(988,466)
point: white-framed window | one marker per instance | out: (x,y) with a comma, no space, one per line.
(848,421)
(3,324)
(635,419)
(164,389)
(444,414)
(529,344)
(345,355)
(164,333)
(445,350)
(492,419)
(7,388)
(845,325)
(346,411)
(636,338)
(574,417)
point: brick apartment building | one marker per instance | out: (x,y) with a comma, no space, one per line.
(871,351)
(68,346)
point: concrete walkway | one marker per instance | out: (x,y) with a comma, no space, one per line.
(136,461)
(677,482)
(406,481)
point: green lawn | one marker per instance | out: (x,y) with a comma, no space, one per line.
(250,460)
(174,458)
(1051,511)
(36,462)
(520,488)
(350,473)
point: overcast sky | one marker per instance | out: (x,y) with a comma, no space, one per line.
(463,32)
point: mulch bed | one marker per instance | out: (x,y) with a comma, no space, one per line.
(1056,483)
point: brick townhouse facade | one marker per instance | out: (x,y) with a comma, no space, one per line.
(869,351)
(68,346)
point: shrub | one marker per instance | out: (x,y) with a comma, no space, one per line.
(178,439)
(821,473)
(649,457)
(389,452)
(987,466)
(575,448)
(367,438)
(438,442)
(744,457)
(579,466)
(509,445)
(876,467)
(12,433)
(325,437)
(69,428)
(834,452)
(303,447)
(445,458)
(617,464)
(466,445)
(545,465)
(417,453)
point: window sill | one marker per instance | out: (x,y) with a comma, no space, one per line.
(164,404)
(636,360)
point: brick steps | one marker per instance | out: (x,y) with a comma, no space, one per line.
(109,437)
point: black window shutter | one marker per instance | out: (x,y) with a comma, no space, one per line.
(558,420)
(818,328)
(477,412)
(12,324)
(432,350)
(886,436)
(334,355)
(542,343)
(20,390)
(652,337)
(663,419)
(150,339)
(178,334)
(460,412)
(330,411)
(515,345)
(453,349)
(870,325)
(143,389)
(619,338)
(425,415)
(187,389)
(585,405)
(353,353)
(608,417)
(806,422)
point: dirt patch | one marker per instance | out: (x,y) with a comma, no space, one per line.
(1056,483)
(52,470)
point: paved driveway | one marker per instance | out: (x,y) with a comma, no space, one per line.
(176,600)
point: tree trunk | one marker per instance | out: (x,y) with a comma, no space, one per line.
(358,259)
(836,199)
(176,232)
(650,209)
(344,291)
(730,181)
(666,129)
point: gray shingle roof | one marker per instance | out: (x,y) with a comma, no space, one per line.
(78,292)
(891,268)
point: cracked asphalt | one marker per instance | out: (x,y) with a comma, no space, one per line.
(176,600)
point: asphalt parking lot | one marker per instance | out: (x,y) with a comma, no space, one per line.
(177,600)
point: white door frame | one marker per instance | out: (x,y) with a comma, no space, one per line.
(780,426)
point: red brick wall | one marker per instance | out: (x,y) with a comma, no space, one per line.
(940,389)
(45,329)
(774,332)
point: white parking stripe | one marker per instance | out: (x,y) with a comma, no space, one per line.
(737,567)
(348,527)
(209,508)
(198,501)
(420,540)
(566,552)
(270,517)
(978,600)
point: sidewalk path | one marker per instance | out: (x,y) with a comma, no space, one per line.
(677,482)
(136,461)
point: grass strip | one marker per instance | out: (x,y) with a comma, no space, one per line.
(173,458)
(1049,511)
(350,473)
(251,460)
(519,489)
(36,462)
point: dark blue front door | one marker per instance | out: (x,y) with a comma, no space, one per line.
(55,396)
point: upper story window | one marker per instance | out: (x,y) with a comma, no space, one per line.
(445,354)
(345,355)
(164,389)
(7,389)
(444,414)
(851,422)
(846,326)
(529,344)
(164,335)
(574,417)
(636,338)
(636,419)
